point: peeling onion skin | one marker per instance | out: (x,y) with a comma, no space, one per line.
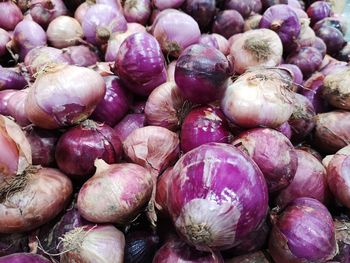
(227,213)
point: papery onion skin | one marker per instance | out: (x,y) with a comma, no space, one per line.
(4,39)
(140,64)
(228,23)
(128,124)
(319,10)
(43,12)
(82,56)
(68,108)
(280,166)
(44,194)
(115,194)
(223,223)
(166,4)
(256,257)
(202,11)
(202,70)
(296,72)
(137,11)
(303,232)
(13,243)
(16,107)
(10,79)
(12,15)
(24,257)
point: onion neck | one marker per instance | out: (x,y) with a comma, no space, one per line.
(90,2)
(103,34)
(74,239)
(259,48)
(276,25)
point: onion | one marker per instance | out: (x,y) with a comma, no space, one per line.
(260,47)
(215,40)
(80,12)
(115,194)
(44,11)
(88,243)
(244,8)
(332,131)
(13,243)
(335,22)
(161,198)
(5,95)
(256,6)
(10,79)
(303,232)
(175,31)
(128,124)
(82,56)
(100,21)
(252,22)
(332,37)
(319,10)
(203,125)
(259,98)
(28,35)
(140,64)
(280,165)
(308,149)
(306,38)
(137,11)
(285,129)
(296,72)
(16,107)
(79,147)
(166,4)
(12,15)
(64,31)
(203,11)
(74,100)
(4,39)
(202,70)
(24,257)
(176,251)
(228,23)
(268,3)
(320,45)
(257,257)
(166,107)
(32,199)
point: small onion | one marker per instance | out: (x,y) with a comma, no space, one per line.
(319,10)
(44,11)
(252,22)
(10,79)
(166,4)
(137,11)
(228,23)
(128,124)
(257,257)
(24,257)
(4,39)
(5,95)
(11,15)
(82,56)
(203,11)
(16,107)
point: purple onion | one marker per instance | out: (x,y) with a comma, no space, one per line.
(115,103)
(11,15)
(140,64)
(4,39)
(308,149)
(256,6)
(10,79)
(13,243)
(44,11)
(202,125)
(16,107)
(80,12)
(335,22)
(24,257)
(228,23)
(217,41)
(137,11)
(308,59)
(295,3)
(319,10)
(303,232)
(5,95)
(332,37)
(166,4)
(82,56)
(201,73)
(284,21)
(100,21)
(116,5)
(331,65)
(296,72)
(320,45)
(285,129)
(128,124)
(203,11)
(243,7)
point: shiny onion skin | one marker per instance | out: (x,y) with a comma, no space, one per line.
(32,199)
(74,99)
(304,232)
(10,79)
(128,124)
(273,153)
(203,125)
(256,257)
(24,257)
(319,10)
(285,129)
(116,193)
(44,11)
(5,95)
(203,11)
(332,37)
(11,15)
(244,8)
(140,64)
(226,186)
(201,73)
(310,180)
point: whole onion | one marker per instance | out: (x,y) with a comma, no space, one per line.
(128,124)
(5,95)
(280,165)
(82,56)
(303,232)
(175,31)
(116,193)
(243,7)
(166,4)
(64,31)
(74,99)
(228,23)
(12,15)
(214,192)
(203,125)
(32,199)
(320,45)
(4,39)
(24,257)
(80,146)
(137,11)
(259,98)
(252,22)
(319,10)
(203,11)
(88,243)
(10,79)
(296,72)
(13,243)
(16,107)
(215,40)
(332,37)
(260,47)
(256,257)
(44,11)
(202,70)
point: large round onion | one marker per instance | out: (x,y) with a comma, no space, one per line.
(74,99)
(216,197)
(228,23)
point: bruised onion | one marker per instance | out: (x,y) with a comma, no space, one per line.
(128,124)
(16,107)
(202,11)
(4,39)
(82,56)
(44,11)
(228,23)
(11,15)
(137,11)
(24,257)
(10,79)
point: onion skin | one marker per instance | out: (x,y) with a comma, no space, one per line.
(128,124)
(224,223)
(336,89)
(126,189)
(332,37)
(68,108)
(45,193)
(5,95)
(303,232)
(296,72)
(137,11)
(257,257)
(140,64)
(80,12)
(202,70)
(217,41)
(4,39)
(202,11)
(280,165)
(342,236)
(285,129)
(16,107)
(228,23)
(162,192)
(43,12)
(320,45)
(252,22)
(82,56)
(10,79)
(12,17)
(319,10)
(166,4)
(244,8)
(24,257)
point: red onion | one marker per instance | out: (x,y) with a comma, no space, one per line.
(296,72)
(280,165)
(257,257)
(252,22)
(285,129)
(114,4)
(28,35)
(202,125)
(11,15)
(88,243)
(304,232)
(226,186)
(202,70)
(5,95)
(334,22)
(74,100)
(332,37)
(79,147)
(320,45)
(306,37)
(13,243)
(319,10)
(44,11)
(10,79)
(175,31)
(203,11)
(140,64)
(228,23)
(166,4)
(137,11)
(80,12)
(64,31)
(217,41)
(100,21)
(128,124)
(268,3)
(23,257)
(260,47)
(32,199)
(82,56)
(4,39)
(243,7)
(308,149)
(16,107)
(245,101)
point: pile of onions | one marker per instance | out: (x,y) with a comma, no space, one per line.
(217,41)
(24,257)
(128,124)
(228,23)
(44,11)
(74,100)
(203,11)
(226,203)
(137,11)
(280,165)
